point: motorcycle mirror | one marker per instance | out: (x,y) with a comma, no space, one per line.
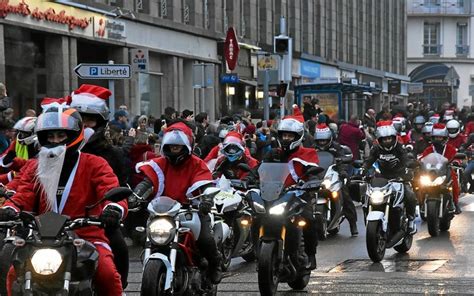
(460,156)
(118,194)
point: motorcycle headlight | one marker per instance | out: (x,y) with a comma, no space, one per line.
(161,231)
(278,209)
(377,197)
(258,208)
(425,180)
(326,183)
(46,261)
(439,180)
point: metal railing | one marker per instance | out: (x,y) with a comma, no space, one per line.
(462,50)
(432,49)
(446,7)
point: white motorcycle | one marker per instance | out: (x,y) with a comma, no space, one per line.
(232,209)
(172,262)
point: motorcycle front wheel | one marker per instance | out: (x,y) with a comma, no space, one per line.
(375,240)
(432,208)
(153,280)
(268,269)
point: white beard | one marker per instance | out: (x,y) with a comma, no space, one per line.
(50,164)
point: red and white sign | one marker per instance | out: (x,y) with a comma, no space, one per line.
(231,49)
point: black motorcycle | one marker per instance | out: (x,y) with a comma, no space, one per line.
(281,255)
(51,259)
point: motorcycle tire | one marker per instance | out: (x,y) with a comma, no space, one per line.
(267,269)
(300,282)
(322,226)
(5,260)
(405,245)
(375,241)
(445,223)
(432,208)
(226,251)
(153,280)
(335,231)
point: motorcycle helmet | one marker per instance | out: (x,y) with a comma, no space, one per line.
(439,134)
(177,134)
(399,123)
(427,129)
(92,100)
(454,128)
(386,135)
(233,146)
(448,115)
(59,118)
(291,130)
(323,136)
(25,128)
(223,130)
(419,122)
(435,118)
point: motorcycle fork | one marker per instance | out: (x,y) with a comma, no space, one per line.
(173,253)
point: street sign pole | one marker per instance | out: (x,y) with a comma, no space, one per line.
(266,101)
(112,96)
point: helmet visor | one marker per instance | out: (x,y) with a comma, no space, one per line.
(58,121)
(175,137)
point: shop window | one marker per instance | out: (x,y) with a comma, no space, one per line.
(149,92)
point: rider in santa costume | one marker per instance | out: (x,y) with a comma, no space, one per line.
(439,138)
(66,181)
(299,159)
(179,174)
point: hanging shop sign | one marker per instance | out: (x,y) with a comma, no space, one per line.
(109,28)
(41,11)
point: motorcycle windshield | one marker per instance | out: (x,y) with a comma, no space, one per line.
(50,224)
(378,182)
(162,205)
(272,179)
(434,162)
(326,159)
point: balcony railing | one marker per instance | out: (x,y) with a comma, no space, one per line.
(432,49)
(446,7)
(462,50)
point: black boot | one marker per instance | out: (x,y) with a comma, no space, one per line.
(354,231)
(411,225)
(451,206)
(458,210)
(215,269)
(311,262)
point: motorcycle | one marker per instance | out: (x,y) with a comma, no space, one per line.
(232,208)
(51,259)
(387,221)
(435,186)
(281,256)
(329,205)
(172,263)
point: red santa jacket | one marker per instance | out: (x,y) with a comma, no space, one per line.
(458,141)
(139,153)
(403,139)
(94,177)
(449,152)
(176,181)
(249,160)
(298,160)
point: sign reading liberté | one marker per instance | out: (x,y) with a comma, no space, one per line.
(103,71)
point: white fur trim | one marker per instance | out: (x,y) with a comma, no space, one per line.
(196,186)
(86,99)
(5,165)
(115,205)
(291,167)
(10,176)
(105,245)
(159,174)
(10,207)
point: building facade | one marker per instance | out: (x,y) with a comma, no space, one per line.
(439,52)
(359,46)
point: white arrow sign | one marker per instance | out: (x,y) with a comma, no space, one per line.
(103,71)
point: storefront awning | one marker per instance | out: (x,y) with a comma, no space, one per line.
(249,82)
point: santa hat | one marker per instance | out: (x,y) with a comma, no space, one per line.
(439,130)
(235,138)
(91,98)
(47,103)
(297,115)
(178,134)
(385,128)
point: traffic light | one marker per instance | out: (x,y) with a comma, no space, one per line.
(281,89)
(281,44)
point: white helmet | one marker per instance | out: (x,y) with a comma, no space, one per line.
(25,128)
(385,129)
(293,124)
(454,128)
